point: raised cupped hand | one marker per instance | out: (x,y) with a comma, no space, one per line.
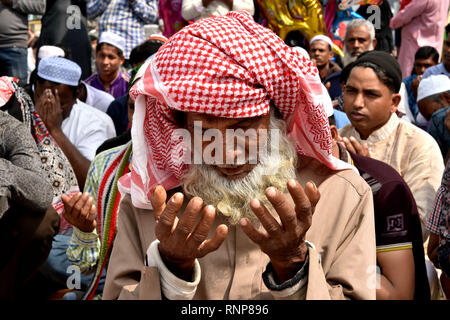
(79,210)
(284,243)
(181,240)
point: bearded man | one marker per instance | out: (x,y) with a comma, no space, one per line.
(239,229)
(359,38)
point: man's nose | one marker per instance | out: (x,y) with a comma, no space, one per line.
(358,103)
(234,151)
(357,44)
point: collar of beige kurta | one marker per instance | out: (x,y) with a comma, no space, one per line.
(227,66)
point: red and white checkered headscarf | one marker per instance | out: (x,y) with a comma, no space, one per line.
(227,66)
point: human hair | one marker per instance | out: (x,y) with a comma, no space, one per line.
(360,22)
(100,45)
(426,52)
(332,120)
(447,29)
(144,50)
(380,72)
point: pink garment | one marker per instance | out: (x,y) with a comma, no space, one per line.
(170,13)
(422,23)
(227,66)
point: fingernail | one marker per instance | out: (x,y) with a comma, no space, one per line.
(243,222)
(255,203)
(314,185)
(292,183)
(178,196)
(271,191)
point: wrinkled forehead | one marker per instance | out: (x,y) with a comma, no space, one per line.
(193,119)
(358,32)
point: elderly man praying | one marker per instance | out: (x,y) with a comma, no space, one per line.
(238,230)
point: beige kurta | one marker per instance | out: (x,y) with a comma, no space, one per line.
(413,153)
(342,231)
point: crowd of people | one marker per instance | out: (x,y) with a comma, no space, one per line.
(119,180)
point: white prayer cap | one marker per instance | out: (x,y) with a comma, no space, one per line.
(50,51)
(433,85)
(323,38)
(112,39)
(59,70)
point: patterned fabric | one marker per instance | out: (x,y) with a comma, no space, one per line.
(85,249)
(124,18)
(59,70)
(54,162)
(438,221)
(6,90)
(226,66)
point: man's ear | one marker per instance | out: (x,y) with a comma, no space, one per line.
(122,60)
(334,134)
(374,43)
(396,98)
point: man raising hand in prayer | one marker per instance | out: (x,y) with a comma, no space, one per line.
(240,228)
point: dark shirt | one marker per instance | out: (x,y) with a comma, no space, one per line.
(383,33)
(439,131)
(397,222)
(115,142)
(118,111)
(64,22)
(335,89)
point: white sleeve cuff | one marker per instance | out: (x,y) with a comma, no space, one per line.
(172,287)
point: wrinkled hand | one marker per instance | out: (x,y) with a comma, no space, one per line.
(354,146)
(80,211)
(49,108)
(284,244)
(181,242)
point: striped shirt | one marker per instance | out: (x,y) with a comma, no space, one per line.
(84,247)
(441,207)
(124,18)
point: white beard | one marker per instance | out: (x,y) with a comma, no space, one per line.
(232,197)
(348,58)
